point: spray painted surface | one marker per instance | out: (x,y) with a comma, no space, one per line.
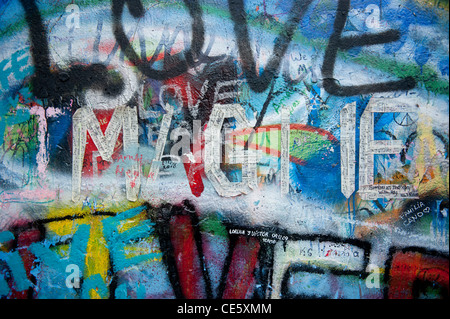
(224,149)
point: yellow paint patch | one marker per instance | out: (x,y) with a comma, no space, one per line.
(429,178)
(97,253)
(131,222)
(62,228)
(93,294)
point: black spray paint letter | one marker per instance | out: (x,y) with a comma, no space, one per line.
(337,42)
(52,85)
(255,82)
(137,10)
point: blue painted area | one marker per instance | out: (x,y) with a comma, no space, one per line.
(117,241)
(15,265)
(6,236)
(318,20)
(53,266)
(76,255)
(314,115)
(218,246)
(326,285)
(121,292)
(443,66)
(310,284)
(4,289)
(421,55)
(94,282)
(58,129)
(317,180)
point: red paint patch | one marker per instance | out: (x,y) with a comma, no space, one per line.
(240,279)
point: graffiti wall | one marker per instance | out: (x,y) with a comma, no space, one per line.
(224,149)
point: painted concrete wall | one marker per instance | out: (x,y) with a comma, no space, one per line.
(224,149)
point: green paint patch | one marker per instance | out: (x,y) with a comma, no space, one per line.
(305,145)
(212,224)
(20,140)
(426,76)
(305,142)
